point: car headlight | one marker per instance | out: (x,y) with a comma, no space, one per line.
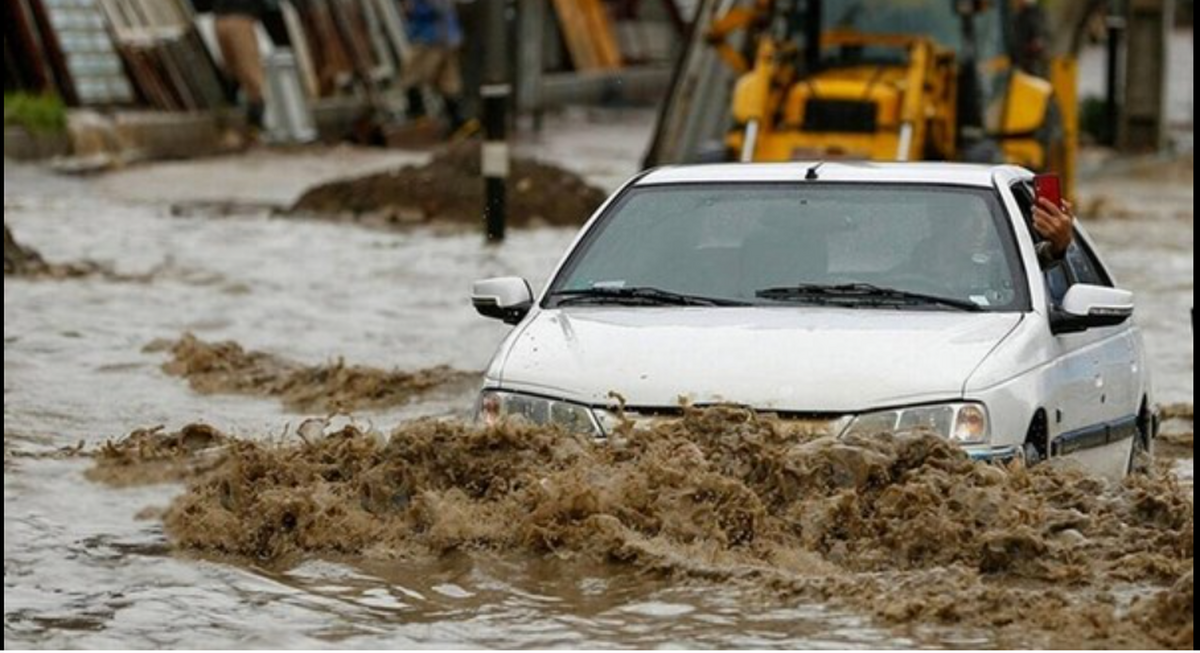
(962,423)
(495,406)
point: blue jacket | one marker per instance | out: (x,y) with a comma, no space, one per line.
(434,22)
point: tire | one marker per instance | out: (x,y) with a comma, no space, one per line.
(1036,449)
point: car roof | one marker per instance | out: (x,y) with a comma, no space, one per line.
(957,174)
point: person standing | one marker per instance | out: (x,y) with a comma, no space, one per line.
(237,35)
(436,35)
(1029,30)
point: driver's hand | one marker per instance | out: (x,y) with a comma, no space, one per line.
(1056,225)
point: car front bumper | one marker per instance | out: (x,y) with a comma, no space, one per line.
(990,454)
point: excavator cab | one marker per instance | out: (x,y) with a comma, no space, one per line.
(884,80)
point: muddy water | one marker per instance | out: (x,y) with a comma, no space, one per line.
(99,577)
(88,565)
(336,387)
(79,568)
(780,508)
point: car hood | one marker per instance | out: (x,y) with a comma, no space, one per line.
(786,359)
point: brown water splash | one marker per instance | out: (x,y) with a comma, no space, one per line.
(1176,441)
(151,456)
(1177,445)
(1170,615)
(905,527)
(227,368)
(1176,411)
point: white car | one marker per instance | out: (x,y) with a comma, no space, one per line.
(881,297)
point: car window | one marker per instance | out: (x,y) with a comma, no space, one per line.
(731,241)
(1085,268)
(1058,282)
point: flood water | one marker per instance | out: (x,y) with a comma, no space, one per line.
(87,566)
(82,570)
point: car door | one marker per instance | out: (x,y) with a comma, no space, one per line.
(1115,350)
(1080,407)
(1088,378)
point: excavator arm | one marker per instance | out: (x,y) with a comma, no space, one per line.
(750,18)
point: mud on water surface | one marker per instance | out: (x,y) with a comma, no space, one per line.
(448,190)
(903,527)
(1175,441)
(152,456)
(227,368)
(26,262)
(1177,412)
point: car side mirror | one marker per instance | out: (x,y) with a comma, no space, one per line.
(505,298)
(1091,307)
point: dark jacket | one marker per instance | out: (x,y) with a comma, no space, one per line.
(434,22)
(1046,255)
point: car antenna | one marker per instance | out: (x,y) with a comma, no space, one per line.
(811,175)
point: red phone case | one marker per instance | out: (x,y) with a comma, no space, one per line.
(1049,187)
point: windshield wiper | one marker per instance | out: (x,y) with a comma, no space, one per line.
(641,296)
(862,293)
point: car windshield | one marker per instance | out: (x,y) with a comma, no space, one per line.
(870,246)
(936,19)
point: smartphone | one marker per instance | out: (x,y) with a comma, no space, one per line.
(1049,187)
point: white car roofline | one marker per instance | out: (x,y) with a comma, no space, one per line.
(957,174)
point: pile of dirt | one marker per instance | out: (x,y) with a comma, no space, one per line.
(449,189)
(902,526)
(227,368)
(19,260)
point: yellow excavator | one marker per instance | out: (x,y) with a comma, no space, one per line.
(882,80)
